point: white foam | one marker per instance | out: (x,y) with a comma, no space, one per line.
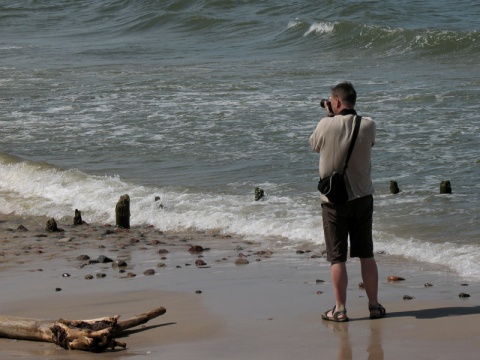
(320,28)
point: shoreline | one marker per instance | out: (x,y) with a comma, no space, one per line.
(268,308)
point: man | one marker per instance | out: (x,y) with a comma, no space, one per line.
(353,219)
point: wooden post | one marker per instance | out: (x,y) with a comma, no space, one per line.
(445,187)
(77,219)
(122,212)
(258,193)
(394,189)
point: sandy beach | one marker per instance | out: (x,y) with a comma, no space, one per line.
(269,308)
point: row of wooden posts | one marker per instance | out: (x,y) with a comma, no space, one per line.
(445,187)
(122,209)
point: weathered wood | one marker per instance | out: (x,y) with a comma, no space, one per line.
(445,187)
(122,212)
(94,335)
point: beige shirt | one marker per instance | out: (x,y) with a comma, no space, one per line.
(332,138)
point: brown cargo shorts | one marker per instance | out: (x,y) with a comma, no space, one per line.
(352,219)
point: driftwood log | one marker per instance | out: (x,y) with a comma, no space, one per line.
(94,335)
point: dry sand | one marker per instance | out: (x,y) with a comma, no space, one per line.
(267,309)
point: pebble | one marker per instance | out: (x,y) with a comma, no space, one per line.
(408,297)
(162,251)
(198,291)
(88,277)
(195,249)
(241,261)
(65,275)
(393,278)
(58,289)
(149,272)
(83,257)
(161,265)
(131,275)
(100,275)
(119,264)
(361,286)
(319,281)
(463,295)
(428,285)
(199,262)
(104,259)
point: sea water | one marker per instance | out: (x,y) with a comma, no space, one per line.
(199,102)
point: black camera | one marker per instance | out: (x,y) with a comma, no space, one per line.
(324,103)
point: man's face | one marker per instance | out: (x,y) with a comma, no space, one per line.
(335,103)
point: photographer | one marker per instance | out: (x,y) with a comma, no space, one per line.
(353,218)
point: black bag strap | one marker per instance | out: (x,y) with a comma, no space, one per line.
(358,119)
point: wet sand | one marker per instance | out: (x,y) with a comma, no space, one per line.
(269,308)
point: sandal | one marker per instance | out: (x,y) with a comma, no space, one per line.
(377,311)
(335,315)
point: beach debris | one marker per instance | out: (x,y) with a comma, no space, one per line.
(241,261)
(463,284)
(394,189)
(52,226)
(162,251)
(149,272)
(259,193)
(65,275)
(428,285)
(122,212)
(96,335)
(198,291)
(100,275)
(408,297)
(161,265)
(445,187)
(361,285)
(394,278)
(319,281)
(77,219)
(319,292)
(463,295)
(88,277)
(195,249)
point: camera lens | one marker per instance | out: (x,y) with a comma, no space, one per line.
(324,103)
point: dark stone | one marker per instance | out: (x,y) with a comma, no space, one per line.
(65,275)
(100,275)
(88,277)
(463,295)
(122,212)
(162,251)
(445,187)
(198,291)
(149,272)
(58,289)
(259,193)
(318,281)
(408,297)
(428,285)
(393,278)
(22,228)
(394,189)
(161,265)
(131,275)
(102,259)
(83,257)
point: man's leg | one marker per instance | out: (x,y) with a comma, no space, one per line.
(370,279)
(338,272)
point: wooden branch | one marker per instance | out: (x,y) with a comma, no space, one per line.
(94,335)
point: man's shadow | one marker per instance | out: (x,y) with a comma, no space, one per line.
(436,312)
